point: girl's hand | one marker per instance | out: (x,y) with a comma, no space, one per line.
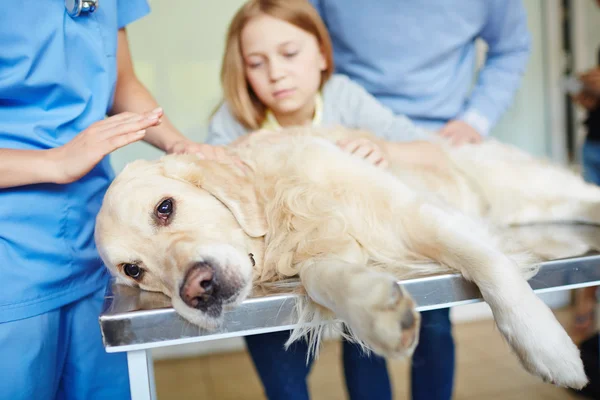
(76,158)
(365,149)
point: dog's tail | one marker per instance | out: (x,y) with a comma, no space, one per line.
(313,322)
(316,323)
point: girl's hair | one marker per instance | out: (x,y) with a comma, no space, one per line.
(237,93)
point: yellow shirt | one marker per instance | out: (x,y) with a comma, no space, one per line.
(271,123)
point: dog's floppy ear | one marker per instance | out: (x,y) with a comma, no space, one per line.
(224,181)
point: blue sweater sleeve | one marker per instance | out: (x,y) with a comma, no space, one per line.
(509,44)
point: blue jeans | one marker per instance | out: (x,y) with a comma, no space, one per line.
(432,371)
(283,373)
(591,161)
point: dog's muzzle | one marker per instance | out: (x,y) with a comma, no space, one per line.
(205,289)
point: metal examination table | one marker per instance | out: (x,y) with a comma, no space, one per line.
(134,321)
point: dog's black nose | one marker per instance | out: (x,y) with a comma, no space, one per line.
(199,285)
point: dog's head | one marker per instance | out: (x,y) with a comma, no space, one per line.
(182,226)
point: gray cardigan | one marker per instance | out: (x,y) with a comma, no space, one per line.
(345,103)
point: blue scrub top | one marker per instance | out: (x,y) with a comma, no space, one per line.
(57,76)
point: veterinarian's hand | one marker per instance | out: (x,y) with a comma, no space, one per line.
(459,132)
(586,100)
(76,158)
(366,149)
(591,81)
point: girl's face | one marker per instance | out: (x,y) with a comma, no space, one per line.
(283,65)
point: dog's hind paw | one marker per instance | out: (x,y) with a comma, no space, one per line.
(542,345)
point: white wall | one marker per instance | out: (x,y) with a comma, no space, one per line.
(525,122)
(176,51)
(592,32)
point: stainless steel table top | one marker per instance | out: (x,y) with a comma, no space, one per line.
(133,319)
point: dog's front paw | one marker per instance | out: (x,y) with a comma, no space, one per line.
(541,343)
(384,317)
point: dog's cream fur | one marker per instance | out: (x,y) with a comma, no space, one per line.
(349,230)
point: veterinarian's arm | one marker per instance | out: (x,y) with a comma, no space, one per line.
(68,163)
(24,167)
(509,44)
(131,95)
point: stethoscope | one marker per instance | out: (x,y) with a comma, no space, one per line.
(75,8)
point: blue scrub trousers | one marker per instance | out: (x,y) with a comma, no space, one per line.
(59,355)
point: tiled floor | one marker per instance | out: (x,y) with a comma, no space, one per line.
(485,370)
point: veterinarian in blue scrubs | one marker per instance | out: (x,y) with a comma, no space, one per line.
(58,81)
(418,59)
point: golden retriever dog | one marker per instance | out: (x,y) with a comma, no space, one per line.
(204,232)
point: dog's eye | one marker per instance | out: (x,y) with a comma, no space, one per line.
(132,271)
(164,209)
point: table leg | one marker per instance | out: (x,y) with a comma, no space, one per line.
(141,375)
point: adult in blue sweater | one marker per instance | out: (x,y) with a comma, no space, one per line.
(418,58)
